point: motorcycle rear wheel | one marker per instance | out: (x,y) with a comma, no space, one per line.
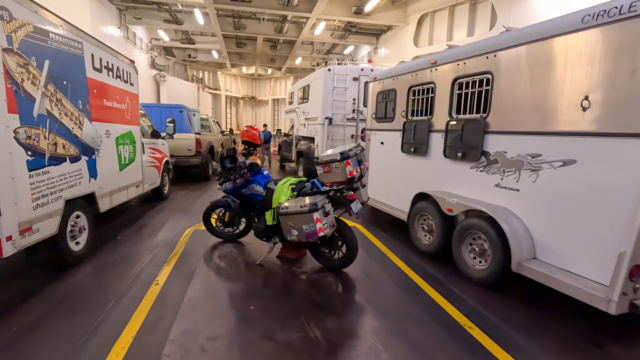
(219,222)
(339,250)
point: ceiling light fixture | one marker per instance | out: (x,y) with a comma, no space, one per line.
(298,60)
(320,27)
(371,5)
(349,49)
(269,72)
(244,69)
(198,16)
(163,35)
(214,53)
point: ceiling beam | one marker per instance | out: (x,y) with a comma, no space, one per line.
(247,34)
(258,51)
(216,28)
(263,10)
(305,31)
(363,20)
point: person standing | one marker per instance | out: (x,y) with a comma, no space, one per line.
(266,136)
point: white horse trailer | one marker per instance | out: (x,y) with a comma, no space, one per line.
(327,110)
(519,151)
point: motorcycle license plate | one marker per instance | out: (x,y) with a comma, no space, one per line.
(356,206)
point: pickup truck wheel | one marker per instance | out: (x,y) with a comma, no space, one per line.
(162,192)
(75,235)
(281,161)
(301,167)
(207,172)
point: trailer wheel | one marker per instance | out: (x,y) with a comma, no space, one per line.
(429,227)
(162,192)
(75,234)
(480,249)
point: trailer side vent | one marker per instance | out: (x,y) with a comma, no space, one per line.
(472,97)
(415,137)
(420,102)
(464,139)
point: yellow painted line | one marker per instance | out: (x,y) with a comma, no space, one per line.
(457,315)
(121,346)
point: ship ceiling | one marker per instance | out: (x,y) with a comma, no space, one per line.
(267,34)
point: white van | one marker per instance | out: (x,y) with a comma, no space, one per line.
(519,152)
(73,138)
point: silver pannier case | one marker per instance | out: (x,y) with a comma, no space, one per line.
(341,165)
(306,219)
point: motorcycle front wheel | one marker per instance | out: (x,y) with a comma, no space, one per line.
(339,250)
(221,221)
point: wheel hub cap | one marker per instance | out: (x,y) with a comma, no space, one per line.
(426,228)
(77,231)
(476,250)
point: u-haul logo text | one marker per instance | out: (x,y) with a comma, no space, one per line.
(113,71)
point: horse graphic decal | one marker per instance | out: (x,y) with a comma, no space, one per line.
(500,164)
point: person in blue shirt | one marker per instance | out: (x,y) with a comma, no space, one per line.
(266,136)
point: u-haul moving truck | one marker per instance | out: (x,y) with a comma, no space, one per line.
(72,136)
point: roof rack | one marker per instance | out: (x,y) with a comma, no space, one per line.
(346,62)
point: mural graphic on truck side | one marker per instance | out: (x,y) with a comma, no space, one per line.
(45,78)
(500,164)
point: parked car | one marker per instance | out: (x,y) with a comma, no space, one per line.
(197,141)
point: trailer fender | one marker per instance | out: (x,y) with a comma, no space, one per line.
(518,235)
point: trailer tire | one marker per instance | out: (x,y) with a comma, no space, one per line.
(162,191)
(430,228)
(74,239)
(480,249)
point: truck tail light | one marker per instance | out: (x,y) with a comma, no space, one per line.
(634,273)
(198,144)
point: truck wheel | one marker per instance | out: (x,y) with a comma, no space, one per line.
(300,167)
(162,192)
(75,234)
(429,227)
(208,171)
(480,249)
(281,161)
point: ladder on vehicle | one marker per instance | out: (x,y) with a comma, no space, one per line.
(340,103)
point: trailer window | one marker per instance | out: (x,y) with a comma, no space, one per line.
(303,95)
(291,98)
(386,105)
(472,97)
(421,102)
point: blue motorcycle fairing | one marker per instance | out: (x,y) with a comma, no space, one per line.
(252,188)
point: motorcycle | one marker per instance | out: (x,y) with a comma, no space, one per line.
(249,189)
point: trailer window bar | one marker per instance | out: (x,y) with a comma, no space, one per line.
(421,102)
(472,97)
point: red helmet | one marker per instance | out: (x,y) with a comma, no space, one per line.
(250,137)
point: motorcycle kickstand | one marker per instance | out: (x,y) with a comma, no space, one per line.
(272,245)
